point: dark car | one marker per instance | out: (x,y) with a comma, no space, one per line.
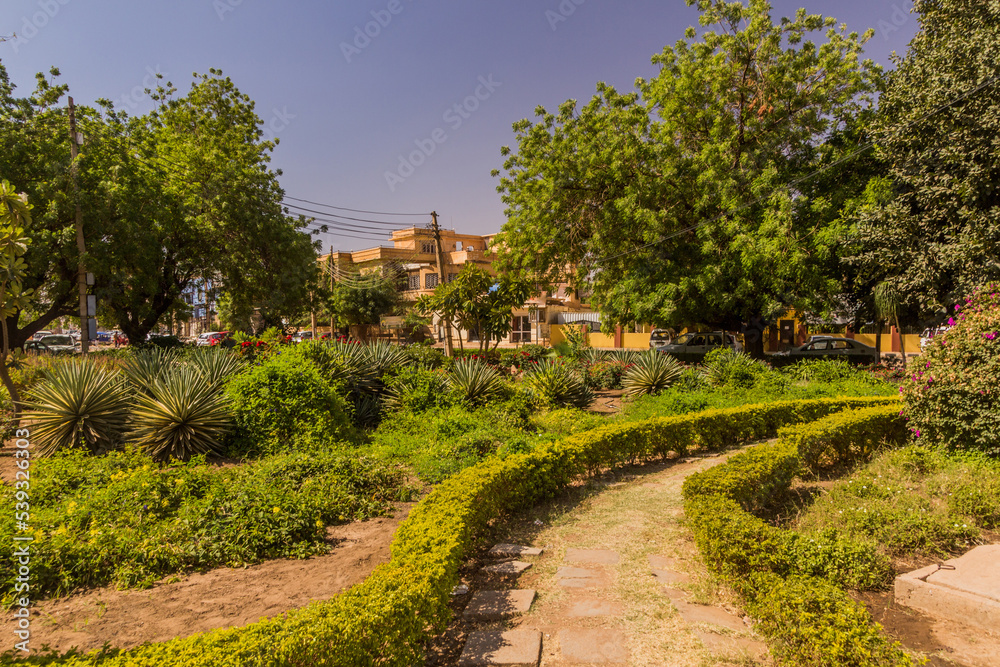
(692,347)
(52,344)
(831,348)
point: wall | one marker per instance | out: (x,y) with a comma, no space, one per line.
(636,340)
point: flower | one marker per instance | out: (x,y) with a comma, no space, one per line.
(951,321)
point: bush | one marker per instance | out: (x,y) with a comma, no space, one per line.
(417,389)
(951,398)
(606,374)
(553,383)
(724,367)
(426,356)
(474,382)
(285,404)
(78,404)
(651,373)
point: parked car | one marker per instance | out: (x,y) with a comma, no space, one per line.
(850,350)
(658,338)
(40,335)
(302,336)
(52,344)
(104,336)
(214,338)
(692,347)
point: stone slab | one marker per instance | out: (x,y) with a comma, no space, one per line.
(595,556)
(513,648)
(507,569)
(513,551)
(964,590)
(593,647)
(498,605)
(663,562)
(589,607)
(578,577)
(670,577)
(699,613)
(675,593)
(725,646)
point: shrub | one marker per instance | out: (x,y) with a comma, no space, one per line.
(78,404)
(216,365)
(651,373)
(724,367)
(606,374)
(144,367)
(182,415)
(474,382)
(554,384)
(426,356)
(951,396)
(285,404)
(417,389)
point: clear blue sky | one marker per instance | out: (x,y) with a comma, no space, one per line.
(345,118)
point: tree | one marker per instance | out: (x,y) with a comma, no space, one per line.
(688,200)
(14,214)
(362,300)
(936,237)
(477,301)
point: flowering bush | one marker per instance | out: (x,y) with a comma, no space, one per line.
(951,396)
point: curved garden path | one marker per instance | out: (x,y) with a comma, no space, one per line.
(619,581)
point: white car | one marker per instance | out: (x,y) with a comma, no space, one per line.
(41,334)
(930,334)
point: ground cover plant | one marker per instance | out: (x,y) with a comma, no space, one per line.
(916,501)
(123,519)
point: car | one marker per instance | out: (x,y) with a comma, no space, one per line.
(848,349)
(104,336)
(212,338)
(930,334)
(40,335)
(53,344)
(658,338)
(302,336)
(692,347)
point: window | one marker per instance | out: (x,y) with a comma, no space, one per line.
(452,277)
(840,345)
(698,340)
(430,280)
(521,329)
(427,247)
(820,345)
(414,281)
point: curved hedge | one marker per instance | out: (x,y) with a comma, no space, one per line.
(386,619)
(792,585)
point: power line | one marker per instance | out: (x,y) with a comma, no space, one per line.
(351,210)
(344,217)
(801,179)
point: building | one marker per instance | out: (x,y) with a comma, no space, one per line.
(413,254)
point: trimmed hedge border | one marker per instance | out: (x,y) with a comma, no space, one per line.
(794,586)
(386,619)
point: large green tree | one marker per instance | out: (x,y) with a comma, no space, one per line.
(935,234)
(181,194)
(361,300)
(687,200)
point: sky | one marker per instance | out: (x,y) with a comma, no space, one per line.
(390,106)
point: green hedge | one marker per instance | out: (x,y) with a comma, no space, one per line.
(386,619)
(792,585)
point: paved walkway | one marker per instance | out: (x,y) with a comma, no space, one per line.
(618,582)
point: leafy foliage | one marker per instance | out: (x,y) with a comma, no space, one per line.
(724,367)
(555,384)
(78,405)
(951,398)
(474,382)
(651,373)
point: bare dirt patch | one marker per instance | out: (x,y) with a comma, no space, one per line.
(607,401)
(220,598)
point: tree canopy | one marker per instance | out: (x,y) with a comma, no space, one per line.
(177,195)
(361,300)
(690,199)
(933,234)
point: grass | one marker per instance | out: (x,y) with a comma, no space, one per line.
(914,501)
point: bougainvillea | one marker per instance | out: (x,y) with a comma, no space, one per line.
(952,394)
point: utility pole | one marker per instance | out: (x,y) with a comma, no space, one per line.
(329,266)
(81,248)
(448,347)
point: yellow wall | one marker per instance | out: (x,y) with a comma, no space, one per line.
(555,334)
(640,340)
(601,340)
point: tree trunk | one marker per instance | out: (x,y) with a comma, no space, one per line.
(15,399)
(878,343)
(902,343)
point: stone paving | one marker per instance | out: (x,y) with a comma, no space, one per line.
(627,594)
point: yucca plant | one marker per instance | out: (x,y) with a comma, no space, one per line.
(144,367)
(216,365)
(385,357)
(555,384)
(474,381)
(183,415)
(77,404)
(624,356)
(355,365)
(652,372)
(727,367)
(590,355)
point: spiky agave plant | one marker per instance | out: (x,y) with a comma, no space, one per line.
(183,415)
(652,372)
(555,384)
(624,356)
(216,365)
(385,357)
(77,404)
(730,368)
(474,381)
(144,367)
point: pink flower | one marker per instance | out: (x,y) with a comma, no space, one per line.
(951,321)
